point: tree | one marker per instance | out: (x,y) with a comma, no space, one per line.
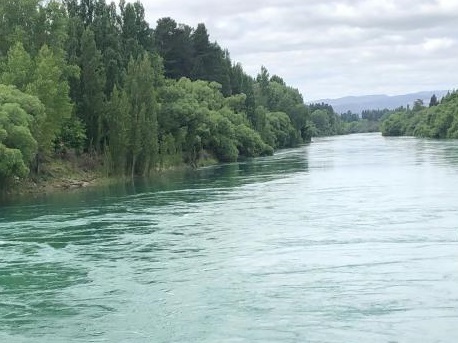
(277,79)
(18,70)
(433,101)
(417,105)
(321,122)
(202,52)
(137,36)
(262,89)
(52,26)
(92,106)
(174,44)
(19,113)
(394,125)
(118,131)
(51,87)
(18,24)
(143,78)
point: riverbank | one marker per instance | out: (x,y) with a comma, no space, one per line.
(60,175)
(57,175)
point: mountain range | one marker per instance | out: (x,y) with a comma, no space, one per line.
(356,104)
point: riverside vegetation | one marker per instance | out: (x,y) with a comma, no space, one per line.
(438,120)
(91,82)
(89,87)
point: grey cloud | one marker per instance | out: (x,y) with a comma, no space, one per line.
(333,48)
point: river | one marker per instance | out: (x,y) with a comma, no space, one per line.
(349,239)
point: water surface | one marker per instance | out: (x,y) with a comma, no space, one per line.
(348,239)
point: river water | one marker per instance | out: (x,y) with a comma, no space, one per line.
(349,239)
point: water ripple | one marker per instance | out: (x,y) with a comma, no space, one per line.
(349,239)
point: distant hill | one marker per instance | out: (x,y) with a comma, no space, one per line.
(356,104)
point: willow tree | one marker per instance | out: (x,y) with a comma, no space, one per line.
(19,115)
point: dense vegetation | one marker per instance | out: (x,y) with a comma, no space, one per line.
(92,79)
(437,120)
(325,122)
(91,82)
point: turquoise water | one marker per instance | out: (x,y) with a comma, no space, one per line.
(349,239)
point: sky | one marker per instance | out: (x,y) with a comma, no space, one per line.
(331,49)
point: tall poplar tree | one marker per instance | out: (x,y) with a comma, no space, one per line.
(141,87)
(92,106)
(50,85)
(118,131)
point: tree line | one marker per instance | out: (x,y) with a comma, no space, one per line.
(326,122)
(87,77)
(437,120)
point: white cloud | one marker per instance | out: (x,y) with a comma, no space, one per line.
(333,48)
(437,44)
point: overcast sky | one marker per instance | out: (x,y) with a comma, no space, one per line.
(330,49)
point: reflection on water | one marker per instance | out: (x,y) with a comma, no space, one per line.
(349,239)
(220,176)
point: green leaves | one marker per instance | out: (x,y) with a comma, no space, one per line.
(211,122)
(17,24)
(11,164)
(142,82)
(92,105)
(438,121)
(18,114)
(273,95)
(45,77)
(19,67)
(90,76)
(51,87)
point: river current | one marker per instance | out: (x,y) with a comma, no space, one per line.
(348,239)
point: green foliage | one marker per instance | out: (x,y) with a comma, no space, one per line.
(30,104)
(18,114)
(173,42)
(45,75)
(72,135)
(11,164)
(51,87)
(394,125)
(250,143)
(136,34)
(436,121)
(273,95)
(417,105)
(433,101)
(18,21)
(51,27)
(92,106)
(325,122)
(360,126)
(15,123)
(118,131)
(143,78)
(375,115)
(19,67)
(281,129)
(201,119)
(349,117)
(106,84)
